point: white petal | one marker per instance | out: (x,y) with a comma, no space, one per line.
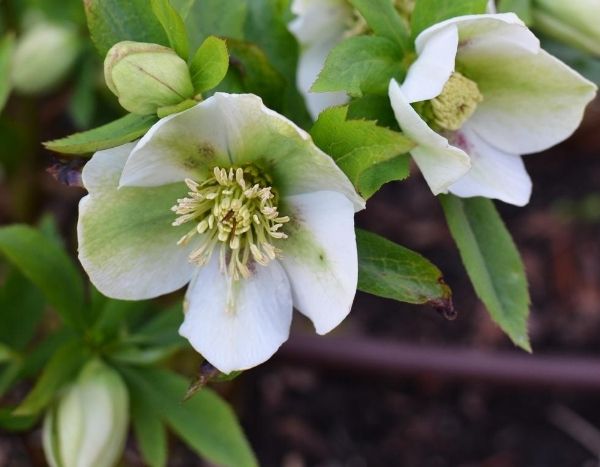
(237,325)
(463,23)
(319,27)
(531,101)
(429,73)
(491,7)
(440,163)
(126,242)
(494,174)
(320,257)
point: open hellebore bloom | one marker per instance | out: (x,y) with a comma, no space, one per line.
(239,202)
(484,93)
(319,26)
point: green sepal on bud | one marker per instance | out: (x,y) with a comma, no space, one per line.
(147,77)
(43,56)
(88,424)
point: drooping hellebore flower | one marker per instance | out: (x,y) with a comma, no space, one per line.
(319,26)
(483,93)
(239,202)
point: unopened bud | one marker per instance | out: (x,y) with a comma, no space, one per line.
(87,427)
(575,22)
(147,77)
(43,57)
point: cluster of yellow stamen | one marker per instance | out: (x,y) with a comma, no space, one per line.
(237,211)
(457,102)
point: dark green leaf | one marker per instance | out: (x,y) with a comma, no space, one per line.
(384,20)
(205,422)
(22,306)
(6,354)
(10,422)
(6,49)
(161,329)
(83,100)
(361,65)
(149,430)
(173,25)
(204,18)
(62,368)
(255,73)
(358,145)
(492,262)
(429,12)
(210,64)
(121,131)
(113,21)
(392,271)
(48,267)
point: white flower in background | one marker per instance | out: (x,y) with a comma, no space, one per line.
(263,221)
(484,93)
(87,427)
(576,22)
(319,26)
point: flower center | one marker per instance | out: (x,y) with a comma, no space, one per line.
(457,102)
(235,210)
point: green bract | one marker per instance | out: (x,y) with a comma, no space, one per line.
(263,221)
(88,424)
(147,77)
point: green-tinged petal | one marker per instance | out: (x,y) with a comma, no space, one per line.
(126,242)
(234,130)
(320,256)
(494,173)
(237,325)
(531,101)
(318,27)
(441,163)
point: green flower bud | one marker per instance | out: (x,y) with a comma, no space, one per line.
(43,57)
(575,22)
(87,427)
(147,77)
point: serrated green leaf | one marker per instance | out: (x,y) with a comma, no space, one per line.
(429,12)
(6,50)
(361,65)
(372,179)
(62,368)
(121,131)
(384,20)
(113,21)
(389,270)
(521,7)
(205,422)
(49,268)
(358,145)
(492,262)
(209,65)
(150,432)
(173,26)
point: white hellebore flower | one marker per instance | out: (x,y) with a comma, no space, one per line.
(484,93)
(263,221)
(87,427)
(318,27)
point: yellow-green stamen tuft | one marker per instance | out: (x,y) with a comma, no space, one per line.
(237,211)
(457,102)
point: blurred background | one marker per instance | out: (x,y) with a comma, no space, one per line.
(395,385)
